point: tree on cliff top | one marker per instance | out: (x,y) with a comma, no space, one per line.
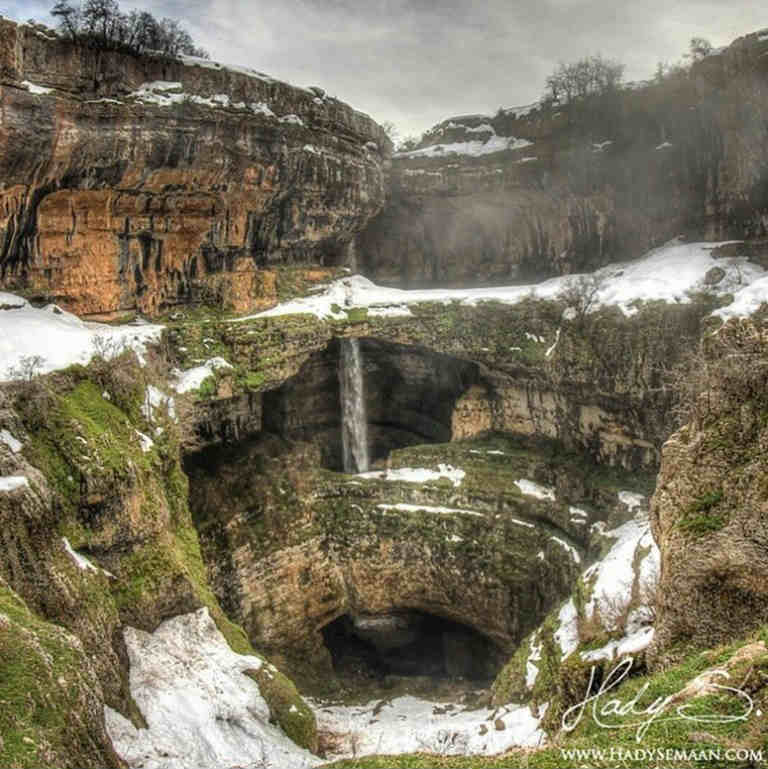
(585,77)
(101,23)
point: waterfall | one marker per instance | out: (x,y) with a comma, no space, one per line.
(354,427)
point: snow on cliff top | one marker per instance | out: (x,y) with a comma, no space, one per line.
(667,273)
(58,337)
(473,148)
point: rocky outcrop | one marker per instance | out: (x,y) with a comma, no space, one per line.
(580,185)
(710,508)
(290,548)
(139,183)
(96,536)
(599,383)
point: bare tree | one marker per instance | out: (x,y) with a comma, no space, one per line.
(582,78)
(28,368)
(698,48)
(102,24)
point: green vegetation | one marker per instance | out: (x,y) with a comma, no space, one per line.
(286,706)
(49,713)
(699,517)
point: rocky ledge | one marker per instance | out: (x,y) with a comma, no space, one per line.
(138,183)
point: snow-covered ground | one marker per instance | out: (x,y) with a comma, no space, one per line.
(192,378)
(417,474)
(633,559)
(59,337)
(670,273)
(200,708)
(473,147)
(410,725)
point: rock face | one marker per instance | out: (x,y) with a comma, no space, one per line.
(598,384)
(580,185)
(96,534)
(710,509)
(137,183)
(290,548)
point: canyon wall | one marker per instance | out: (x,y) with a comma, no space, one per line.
(582,184)
(141,182)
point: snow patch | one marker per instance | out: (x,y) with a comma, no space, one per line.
(746,300)
(668,273)
(81,561)
(613,576)
(410,724)
(13,482)
(572,551)
(472,148)
(157,400)
(60,338)
(192,378)
(533,489)
(38,90)
(12,443)
(567,635)
(629,644)
(200,708)
(632,500)
(146,442)
(408,508)
(418,474)
(531,668)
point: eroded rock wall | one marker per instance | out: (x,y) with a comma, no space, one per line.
(290,548)
(710,509)
(583,184)
(138,183)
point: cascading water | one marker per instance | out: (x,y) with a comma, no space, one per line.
(354,427)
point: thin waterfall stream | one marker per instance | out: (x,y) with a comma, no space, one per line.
(354,425)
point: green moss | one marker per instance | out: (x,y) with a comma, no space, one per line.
(43,692)
(286,706)
(357,314)
(509,685)
(208,388)
(699,518)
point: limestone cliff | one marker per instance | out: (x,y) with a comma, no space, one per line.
(137,183)
(553,189)
(710,509)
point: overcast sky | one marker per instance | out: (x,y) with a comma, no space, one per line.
(415,62)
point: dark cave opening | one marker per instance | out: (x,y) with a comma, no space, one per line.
(409,644)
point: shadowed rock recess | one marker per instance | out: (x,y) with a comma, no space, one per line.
(174,509)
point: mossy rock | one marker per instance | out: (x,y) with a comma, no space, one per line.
(286,707)
(51,710)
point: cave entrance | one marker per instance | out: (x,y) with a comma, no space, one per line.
(380,649)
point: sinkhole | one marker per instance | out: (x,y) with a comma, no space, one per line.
(409,644)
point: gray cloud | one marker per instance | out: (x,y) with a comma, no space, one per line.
(418,61)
